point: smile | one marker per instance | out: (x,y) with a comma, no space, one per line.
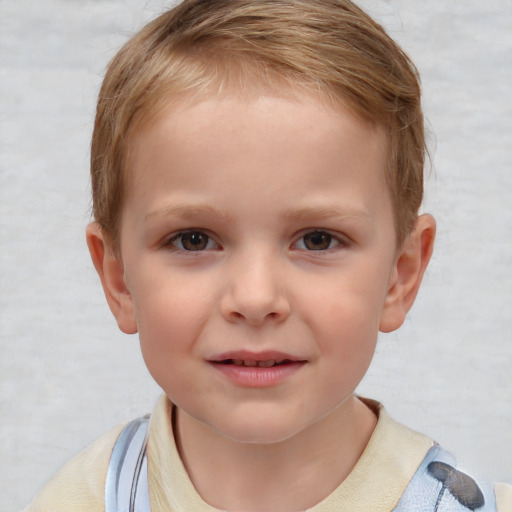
(251,363)
(257,370)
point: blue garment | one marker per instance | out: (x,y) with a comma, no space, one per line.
(437,486)
(126,486)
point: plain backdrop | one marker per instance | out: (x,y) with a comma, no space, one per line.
(67,374)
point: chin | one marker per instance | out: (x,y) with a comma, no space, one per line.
(260,431)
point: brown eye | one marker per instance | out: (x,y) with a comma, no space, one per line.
(318,241)
(192,241)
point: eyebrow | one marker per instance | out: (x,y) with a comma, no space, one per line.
(327,212)
(188,211)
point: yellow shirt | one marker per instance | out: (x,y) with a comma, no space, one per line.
(376,483)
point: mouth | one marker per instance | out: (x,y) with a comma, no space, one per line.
(253,363)
(257,370)
(249,359)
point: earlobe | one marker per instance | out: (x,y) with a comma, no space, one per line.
(411,263)
(111,272)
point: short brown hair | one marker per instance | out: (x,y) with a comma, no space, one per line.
(205,46)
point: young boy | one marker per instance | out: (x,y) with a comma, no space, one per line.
(257,170)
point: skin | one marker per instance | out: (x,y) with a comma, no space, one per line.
(285,202)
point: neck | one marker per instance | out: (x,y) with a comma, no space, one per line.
(294,474)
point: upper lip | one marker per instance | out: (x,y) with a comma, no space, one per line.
(246,355)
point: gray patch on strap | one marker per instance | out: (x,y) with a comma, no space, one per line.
(462,487)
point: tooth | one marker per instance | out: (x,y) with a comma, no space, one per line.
(251,363)
(238,362)
(266,364)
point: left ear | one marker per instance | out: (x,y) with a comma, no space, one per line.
(111,271)
(411,262)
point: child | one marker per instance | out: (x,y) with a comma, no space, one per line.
(257,170)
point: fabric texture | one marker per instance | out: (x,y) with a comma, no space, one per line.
(438,486)
(126,485)
(377,482)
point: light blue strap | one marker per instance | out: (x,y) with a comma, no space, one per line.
(425,493)
(126,486)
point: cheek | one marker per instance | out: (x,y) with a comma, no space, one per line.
(347,304)
(170,315)
(168,301)
(168,333)
(344,319)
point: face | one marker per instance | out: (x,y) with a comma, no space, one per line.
(258,250)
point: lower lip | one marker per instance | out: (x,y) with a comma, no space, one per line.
(258,377)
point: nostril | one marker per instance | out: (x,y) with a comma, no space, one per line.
(254,309)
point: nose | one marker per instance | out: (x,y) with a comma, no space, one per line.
(255,293)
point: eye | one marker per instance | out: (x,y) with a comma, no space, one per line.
(318,241)
(192,241)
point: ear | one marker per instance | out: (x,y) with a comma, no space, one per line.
(411,263)
(111,271)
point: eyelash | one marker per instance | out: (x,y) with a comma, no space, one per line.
(327,237)
(176,242)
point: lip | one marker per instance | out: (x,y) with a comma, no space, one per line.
(254,376)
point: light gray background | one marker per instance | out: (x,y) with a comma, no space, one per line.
(67,374)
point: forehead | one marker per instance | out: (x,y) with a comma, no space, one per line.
(229,119)
(256,160)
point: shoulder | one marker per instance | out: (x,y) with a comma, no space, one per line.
(503,493)
(439,485)
(432,480)
(80,484)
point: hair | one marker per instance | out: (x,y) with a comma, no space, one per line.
(212,46)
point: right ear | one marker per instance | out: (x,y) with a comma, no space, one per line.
(111,271)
